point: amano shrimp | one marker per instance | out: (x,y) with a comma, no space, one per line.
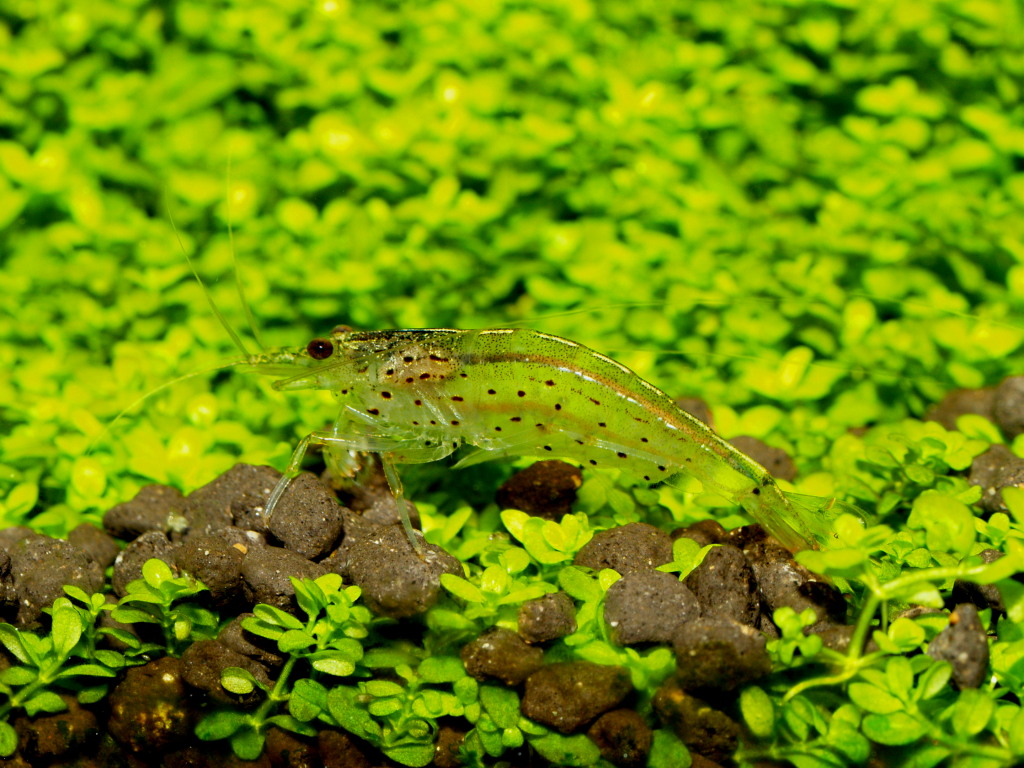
(416,396)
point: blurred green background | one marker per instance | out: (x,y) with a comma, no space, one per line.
(814,208)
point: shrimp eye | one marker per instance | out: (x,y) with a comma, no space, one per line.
(320,349)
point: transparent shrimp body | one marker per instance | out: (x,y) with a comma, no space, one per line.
(417,395)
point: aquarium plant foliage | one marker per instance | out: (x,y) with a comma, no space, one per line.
(810,214)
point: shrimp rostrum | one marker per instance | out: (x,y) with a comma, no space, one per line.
(415,396)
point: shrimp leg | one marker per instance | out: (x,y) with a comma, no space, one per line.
(408,450)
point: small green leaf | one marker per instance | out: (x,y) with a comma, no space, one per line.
(66,630)
(156,572)
(17,676)
(561,750)
(871,698)
(1015,732)
(333,666)
(276,617)
(667,751)
(948,522)
(578,584)
(8,739)
(308,699)
(413,755)
(292,724)
(502,704)
(758,711)
(247,743)
(894,729)
(972,712)
(220,725)
(237,680)
(462,589)
(11,639)
(441,669)
(934,680)
(44,701)
(294,640)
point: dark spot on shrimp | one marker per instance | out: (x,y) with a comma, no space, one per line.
(644,440)
(433,423)
(547,447)
(661,468)
(386,395)
(539,426)
(521,393)
(410,380)
(621,455)
(416,423)
(389,372)
(438,358)
(579,442)
(457,398)
(756,491)
(491,392)
(408,358)
(593,462)
(418,402)
(320,349)
(455,443)
(464,375)
(688,459)
(550,383)
(373,411)
(558,406)
(647,478)
(497,429)
(601,424)
(344,391)
(424,375)
(454,422)
(595,402)
(427,442)
(516,418)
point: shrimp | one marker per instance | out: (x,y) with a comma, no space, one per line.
(416,396)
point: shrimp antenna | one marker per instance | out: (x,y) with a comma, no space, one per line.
(209,297)
(109,426)
(250,319)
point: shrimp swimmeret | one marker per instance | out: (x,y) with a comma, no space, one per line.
(415,396)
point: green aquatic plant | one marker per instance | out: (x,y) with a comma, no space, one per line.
(328,642)
(163,599)
(65,660)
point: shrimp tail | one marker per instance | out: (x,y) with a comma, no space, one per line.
(816,516)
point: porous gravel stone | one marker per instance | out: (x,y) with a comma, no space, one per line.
(702,728)
(964,645)
(158,508)
(1008,406)
(308,518)
(623,738)
(97,544)
(502,654)
(625,548)
(547,618)
(647,607)
(993,470)
(202,664)
(397,581)
(958,402)
(725,587)
(267,574)
(40,567)
(215,563)
(568,695)
(719,655)
(544,489)
(149,711)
